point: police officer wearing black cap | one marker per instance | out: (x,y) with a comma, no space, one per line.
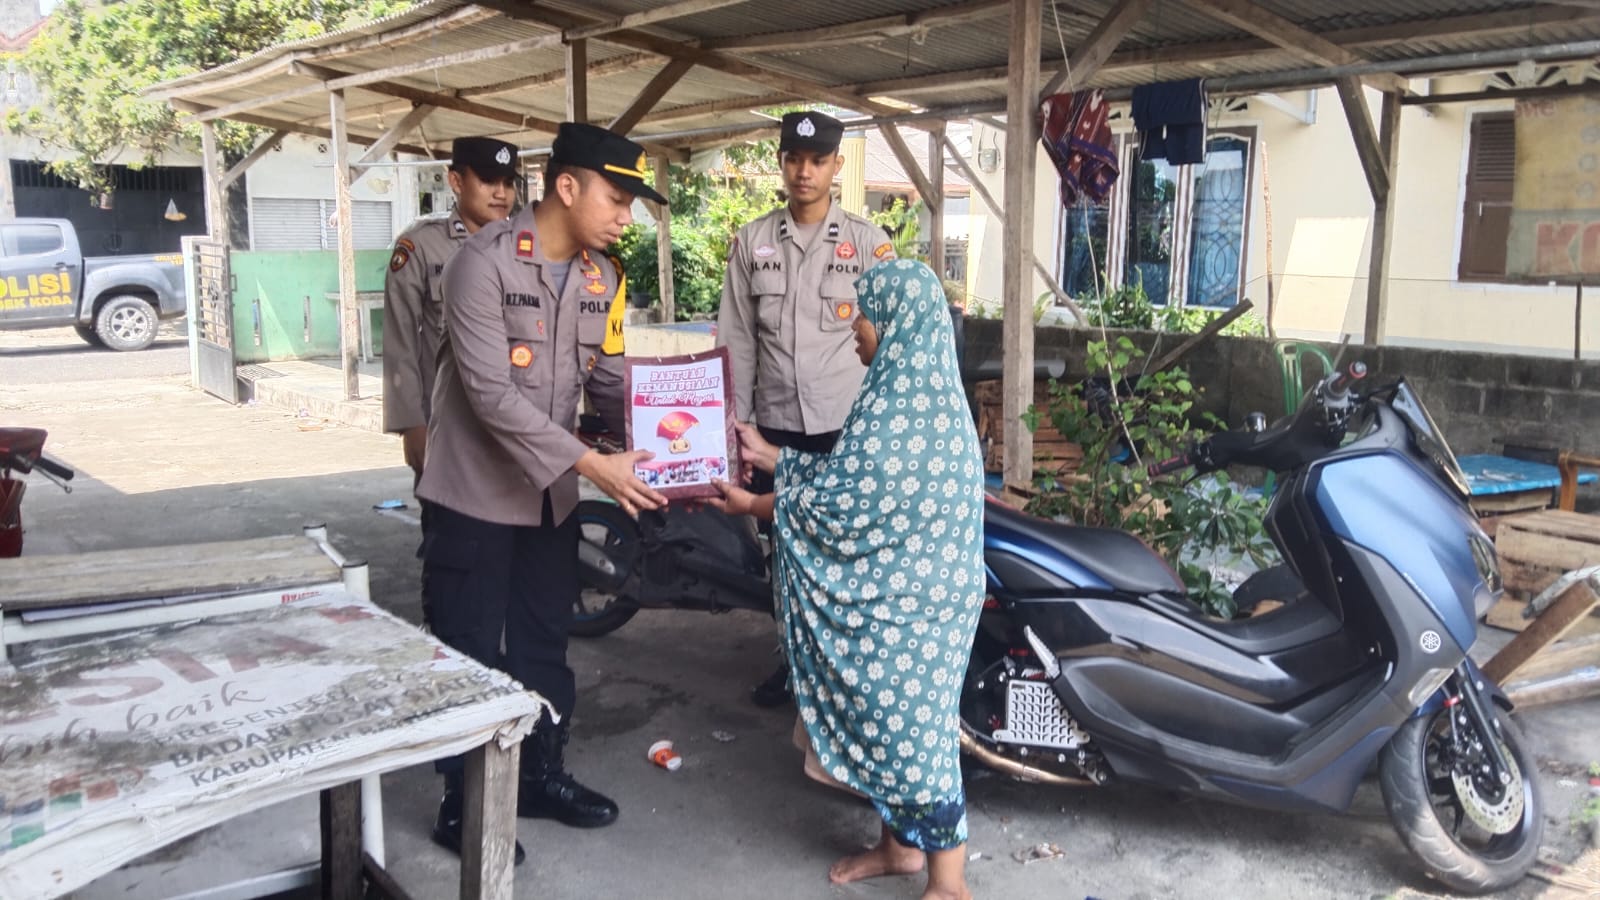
(533,318)
(788,304)
(483,176)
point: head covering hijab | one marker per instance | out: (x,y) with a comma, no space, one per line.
(880,567)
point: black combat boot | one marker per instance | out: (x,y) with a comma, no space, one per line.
(773,692)
(447,828)
(547,791)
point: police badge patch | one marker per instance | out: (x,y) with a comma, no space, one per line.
(402,254)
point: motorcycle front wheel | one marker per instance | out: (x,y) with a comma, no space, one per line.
(1472,834)
(598,612)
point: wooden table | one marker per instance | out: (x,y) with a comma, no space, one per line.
(116,743)
(1501,485)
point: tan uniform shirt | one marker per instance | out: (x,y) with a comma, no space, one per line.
(413,317)
(786,317)
(518,351)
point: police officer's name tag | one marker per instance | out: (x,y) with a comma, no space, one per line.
(679,409)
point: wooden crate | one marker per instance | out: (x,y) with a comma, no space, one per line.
(1537,548)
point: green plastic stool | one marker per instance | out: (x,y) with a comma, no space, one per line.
(1291,359)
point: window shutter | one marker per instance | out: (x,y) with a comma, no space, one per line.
(1486,214)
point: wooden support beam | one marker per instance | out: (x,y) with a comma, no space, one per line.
(750,71)
(216,205)
(341,842)
(445,61)
(862,30)
(897,145)
(1353,97)
(578,81)
(994,209)
(398,130)
(253,157)
(691,110)
(936,205)
(1087,57)
(666,12)
(669,305)
(1022,144)
(1571,607)
(349,314)
(657,88)
(292,127)
(1262,22)
(489,821)
(334,78)
(625,62)
(1375,330)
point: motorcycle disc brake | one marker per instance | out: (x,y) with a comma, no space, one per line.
(1494,817)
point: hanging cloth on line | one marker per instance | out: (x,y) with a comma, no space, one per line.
(1171,119)
(1077,139)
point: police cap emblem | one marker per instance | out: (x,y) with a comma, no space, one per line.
(503,157)
(805,128)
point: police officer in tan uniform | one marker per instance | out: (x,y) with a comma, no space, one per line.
(533,318)
(483,176)
(788,303)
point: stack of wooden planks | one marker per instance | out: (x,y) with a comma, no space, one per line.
(1557,655)
(1053,454)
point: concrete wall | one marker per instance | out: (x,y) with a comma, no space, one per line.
(1321,214)
(1484,402)
(282,286)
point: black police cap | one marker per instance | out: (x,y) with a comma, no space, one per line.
(617,159)
(488,158)
(810,131)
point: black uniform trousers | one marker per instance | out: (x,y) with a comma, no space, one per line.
(483,580)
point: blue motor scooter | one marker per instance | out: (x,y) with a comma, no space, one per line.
(1090,664)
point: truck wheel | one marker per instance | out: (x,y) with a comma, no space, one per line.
(89,336)
(126,323)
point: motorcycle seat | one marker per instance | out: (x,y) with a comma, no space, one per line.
(1115,557)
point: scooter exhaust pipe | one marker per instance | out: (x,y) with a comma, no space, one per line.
(1021,770)
(602,571)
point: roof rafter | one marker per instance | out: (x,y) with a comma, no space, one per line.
(332,80)
(197,109)
(616,65)
(665,46)
(862,30)
(1260,21)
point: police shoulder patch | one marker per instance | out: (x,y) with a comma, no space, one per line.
(403,249)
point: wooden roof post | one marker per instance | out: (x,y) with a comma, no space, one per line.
(936,202)
(1022,144)
(578,81)
(1378,149)
(349,315)
(216,204)
(669,310)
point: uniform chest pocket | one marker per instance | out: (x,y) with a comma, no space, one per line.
(838,306)
(768,289)
(525,337)
(591,330)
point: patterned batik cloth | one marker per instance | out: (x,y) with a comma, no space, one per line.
(880,568)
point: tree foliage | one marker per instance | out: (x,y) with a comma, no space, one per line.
(90,63)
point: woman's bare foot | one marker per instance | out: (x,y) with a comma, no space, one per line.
(947,878)
(888,857)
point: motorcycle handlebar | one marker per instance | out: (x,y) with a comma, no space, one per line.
(1181,461)
(1339,384)
(54,468)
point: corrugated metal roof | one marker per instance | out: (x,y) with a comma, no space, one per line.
(933,68)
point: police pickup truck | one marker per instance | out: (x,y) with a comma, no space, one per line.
(115,301)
